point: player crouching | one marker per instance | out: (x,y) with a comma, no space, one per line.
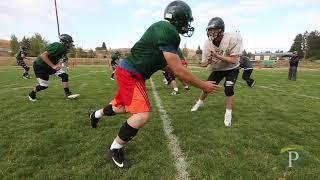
(47,64)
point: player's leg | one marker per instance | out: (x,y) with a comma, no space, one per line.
(290,73)
(231,78)
(246,75)
(43,82)
(26,68)
(132,94)
(65,83)
(128,130)
(113,71)
(216,76)
(294,73)
(173,83)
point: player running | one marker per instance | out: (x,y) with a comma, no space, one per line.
(47,64)
(156,49)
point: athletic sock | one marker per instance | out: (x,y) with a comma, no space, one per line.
(228,111)
(98,114)
(115,145)
(200,101)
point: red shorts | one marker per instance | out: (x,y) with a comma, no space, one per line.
(132,93)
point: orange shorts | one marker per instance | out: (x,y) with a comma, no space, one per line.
(132,93)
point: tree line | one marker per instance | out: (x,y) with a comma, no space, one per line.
(307,45)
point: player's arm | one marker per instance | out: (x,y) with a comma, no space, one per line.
(46,59)
(184,74)
(230,59)
(24,57)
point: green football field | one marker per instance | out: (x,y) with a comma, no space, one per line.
(52,138)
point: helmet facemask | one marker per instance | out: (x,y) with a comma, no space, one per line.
(187,30)
(214,33)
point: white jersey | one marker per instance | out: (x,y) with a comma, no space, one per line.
(231,44)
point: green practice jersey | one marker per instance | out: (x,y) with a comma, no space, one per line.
(55,51)
(146,55)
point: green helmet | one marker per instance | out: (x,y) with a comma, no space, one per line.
(215,23)
(23,49)
(66,39)
(179,14)
(115,55)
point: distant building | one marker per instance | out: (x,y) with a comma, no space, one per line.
(5,52)
(272,56)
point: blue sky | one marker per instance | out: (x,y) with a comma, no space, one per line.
(263,24)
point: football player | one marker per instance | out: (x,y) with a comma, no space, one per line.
(221,55)
(115,58)
(21,56)
(156,49)
(47,64)
(170,78)
(247,71)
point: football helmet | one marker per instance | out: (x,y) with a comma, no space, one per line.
(179,14)
(23,49)
(66,39)
(215,28)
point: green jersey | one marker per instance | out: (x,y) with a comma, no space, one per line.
(146,55)
(19,56)
(55,51)
(180,54)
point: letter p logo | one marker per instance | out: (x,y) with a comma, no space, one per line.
(293,154)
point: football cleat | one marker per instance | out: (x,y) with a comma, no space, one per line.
(197,106)
(72,96)
(252,83)
(93,120)
(32,97)
(116,157)
(175,92)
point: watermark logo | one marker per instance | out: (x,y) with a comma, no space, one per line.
(293,154)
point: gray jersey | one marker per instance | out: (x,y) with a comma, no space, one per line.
(231,44)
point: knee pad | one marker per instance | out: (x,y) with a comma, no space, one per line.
(126,132)
(229,88)
(40,88)
(64,77)
(108,111)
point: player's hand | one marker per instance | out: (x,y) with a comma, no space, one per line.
(213,53)
(210,86)
(56,67)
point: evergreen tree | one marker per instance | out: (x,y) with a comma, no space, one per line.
(14,45)
(104,45)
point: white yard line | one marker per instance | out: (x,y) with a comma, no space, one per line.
(279,90)
(180,162)
(8,85)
